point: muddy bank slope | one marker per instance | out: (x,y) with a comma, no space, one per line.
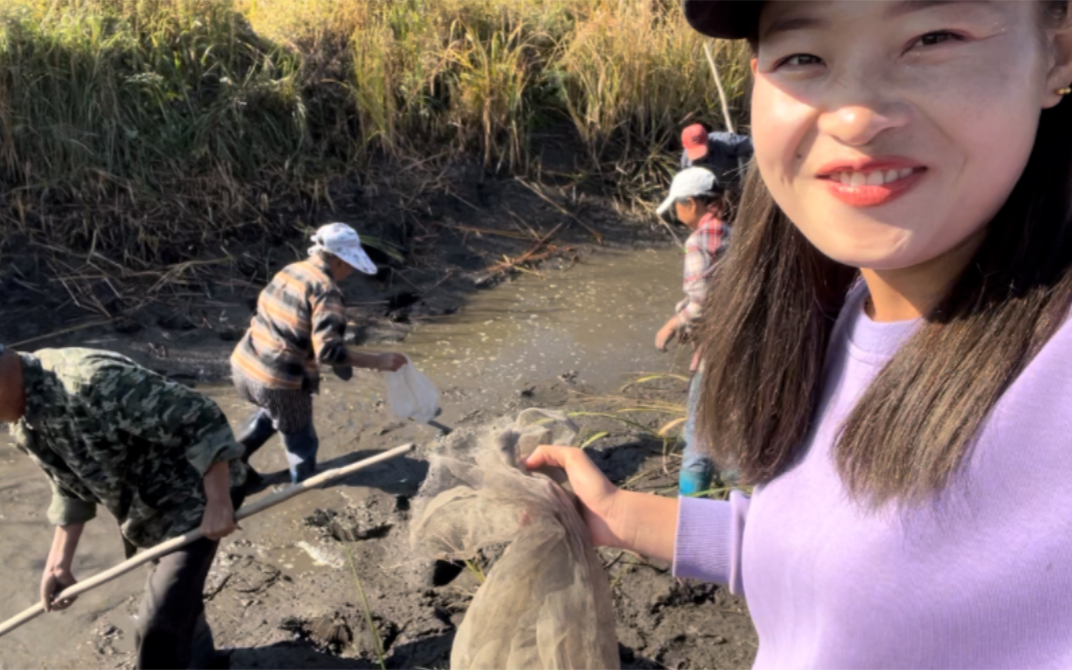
(438,239)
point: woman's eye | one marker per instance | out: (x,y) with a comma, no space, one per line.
(935,38)
(800,60)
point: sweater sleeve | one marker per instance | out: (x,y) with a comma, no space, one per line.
(709,537)
(329,329)
(68,508)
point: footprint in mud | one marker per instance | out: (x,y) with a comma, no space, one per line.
(338,632)
(244,574)
(346,528)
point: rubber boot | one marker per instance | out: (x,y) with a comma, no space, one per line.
(693,481)
(697,469)
(301,453)
(257,431)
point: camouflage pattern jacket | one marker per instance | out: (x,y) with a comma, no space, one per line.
(107,431)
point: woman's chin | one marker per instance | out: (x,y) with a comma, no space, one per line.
(871,254)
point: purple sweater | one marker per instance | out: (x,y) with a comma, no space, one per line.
(981,577)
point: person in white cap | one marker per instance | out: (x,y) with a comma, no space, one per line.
(700,203)
(299,325)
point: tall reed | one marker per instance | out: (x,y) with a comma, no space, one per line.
(155,130)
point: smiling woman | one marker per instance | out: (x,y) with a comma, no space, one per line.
(947,94)
(887,344)
(961,100)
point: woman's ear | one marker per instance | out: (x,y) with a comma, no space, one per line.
(1060,74)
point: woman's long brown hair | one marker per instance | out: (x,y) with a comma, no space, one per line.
(774,299)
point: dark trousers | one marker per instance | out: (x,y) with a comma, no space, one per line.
(172,631)
(301,446)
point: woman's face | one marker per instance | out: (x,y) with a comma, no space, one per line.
(891,132)
(689,212)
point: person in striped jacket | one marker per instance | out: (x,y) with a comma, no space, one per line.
(298,326)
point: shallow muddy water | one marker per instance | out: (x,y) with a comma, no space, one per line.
(587,329)
(597,320)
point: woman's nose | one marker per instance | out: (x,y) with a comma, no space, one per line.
(859,124)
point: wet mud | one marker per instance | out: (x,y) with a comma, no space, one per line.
(290,589)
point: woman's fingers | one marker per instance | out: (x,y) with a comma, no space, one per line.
(557,457)
(587,480)
(589,484)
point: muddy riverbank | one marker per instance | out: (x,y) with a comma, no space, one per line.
(569,333)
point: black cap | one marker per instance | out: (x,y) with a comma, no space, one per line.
(725,19)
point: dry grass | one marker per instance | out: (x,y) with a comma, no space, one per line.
(654,419)
(153,132)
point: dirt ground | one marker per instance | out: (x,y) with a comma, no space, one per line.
(570,330)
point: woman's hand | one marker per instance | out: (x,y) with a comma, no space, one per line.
(53,581)
(597,495)
(641,522)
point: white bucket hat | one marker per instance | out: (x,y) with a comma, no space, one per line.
(343,241)
(690,183)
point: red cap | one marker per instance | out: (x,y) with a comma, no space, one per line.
(694,140)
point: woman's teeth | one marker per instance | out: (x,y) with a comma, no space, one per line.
(873,178)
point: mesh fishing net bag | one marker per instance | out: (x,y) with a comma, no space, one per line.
(546,602)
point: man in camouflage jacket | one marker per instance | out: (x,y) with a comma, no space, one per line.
(157,455)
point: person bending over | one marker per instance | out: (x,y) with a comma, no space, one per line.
(299,325)
(159,456)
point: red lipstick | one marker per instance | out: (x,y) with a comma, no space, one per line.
(868,182)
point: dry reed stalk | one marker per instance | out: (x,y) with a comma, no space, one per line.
(150,133)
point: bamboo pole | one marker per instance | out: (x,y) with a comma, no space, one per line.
(174,543)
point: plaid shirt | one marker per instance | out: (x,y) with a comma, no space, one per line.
(704,247)
(299,323)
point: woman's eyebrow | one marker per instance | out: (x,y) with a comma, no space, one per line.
(908,6)
(788,23)
(801,22)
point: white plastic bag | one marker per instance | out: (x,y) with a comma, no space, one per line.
(411,395)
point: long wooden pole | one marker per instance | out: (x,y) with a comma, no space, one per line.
(174,543)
